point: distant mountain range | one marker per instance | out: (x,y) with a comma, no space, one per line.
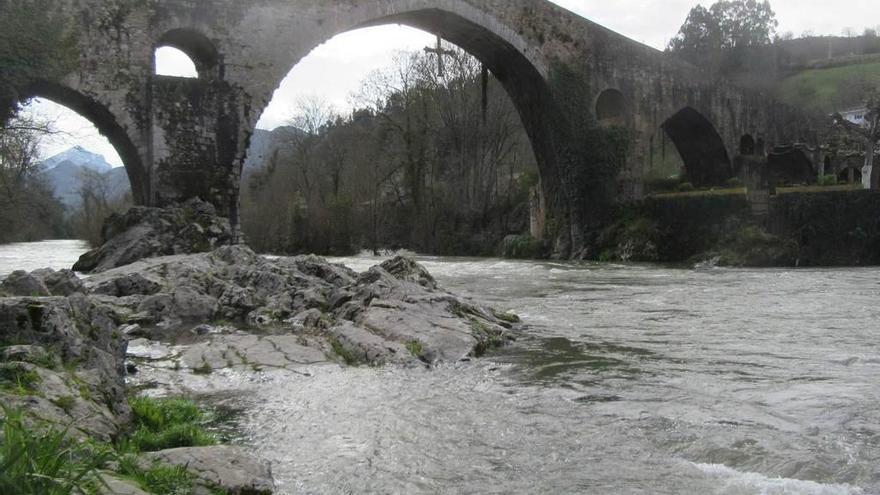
(64,171)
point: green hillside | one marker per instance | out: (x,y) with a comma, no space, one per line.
(829,90)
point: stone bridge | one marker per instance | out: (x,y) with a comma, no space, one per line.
(577,87)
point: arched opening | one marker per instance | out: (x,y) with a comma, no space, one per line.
(701,148)
(747,145)
(77,166)
(433,149)
(788,165)
(171,62)
(611,107)
(106,124)
(850,175)
(186,53)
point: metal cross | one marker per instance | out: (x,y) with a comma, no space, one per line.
(440,52)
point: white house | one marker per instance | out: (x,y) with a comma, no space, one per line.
(857,116)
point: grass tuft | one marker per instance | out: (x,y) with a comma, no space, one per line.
(17,379)
(44,461)
(166,424)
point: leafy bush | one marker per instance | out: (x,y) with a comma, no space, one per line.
(828,180)
(733,183)
(45,462)
(686,187)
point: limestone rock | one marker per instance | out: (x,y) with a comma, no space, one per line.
(142,232)
(21,283)
(224,467)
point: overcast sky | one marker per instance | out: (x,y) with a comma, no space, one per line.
(334,70)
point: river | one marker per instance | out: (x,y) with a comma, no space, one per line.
(628,379)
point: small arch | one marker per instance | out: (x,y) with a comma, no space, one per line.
(790,165)
(196,46)
(701,148)
(107,125)
(747,145)
(850,175)
(171,62)
(610,106)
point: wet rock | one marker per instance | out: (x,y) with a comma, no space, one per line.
(60,283)
(142,232)
(374,315)
(403,268)
(227,468)
(21,283)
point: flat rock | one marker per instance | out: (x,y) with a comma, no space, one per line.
(225,467)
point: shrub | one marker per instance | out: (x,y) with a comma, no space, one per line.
(686,187)
(734,183)
(828,180)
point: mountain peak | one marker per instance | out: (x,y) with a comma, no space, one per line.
(80,157)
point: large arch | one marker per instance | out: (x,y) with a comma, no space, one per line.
(107,125)
(700,146)
(522,79)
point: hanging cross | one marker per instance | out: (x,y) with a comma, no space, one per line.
(485,80)
(440,52)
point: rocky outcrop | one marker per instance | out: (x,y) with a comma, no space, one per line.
(190,304)
(142,232)
(41,283)
(63,361)
(302,307)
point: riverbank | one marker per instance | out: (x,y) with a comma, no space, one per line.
(189,308)
(829,228)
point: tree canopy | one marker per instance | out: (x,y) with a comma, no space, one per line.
(708,35)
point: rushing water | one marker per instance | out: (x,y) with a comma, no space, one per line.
(35,255)
(628,379)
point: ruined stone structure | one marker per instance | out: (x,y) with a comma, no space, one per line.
(569,78)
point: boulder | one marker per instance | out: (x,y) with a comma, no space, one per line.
(24,284)
(142,232)
(221,467)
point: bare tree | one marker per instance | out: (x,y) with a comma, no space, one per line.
(870,133)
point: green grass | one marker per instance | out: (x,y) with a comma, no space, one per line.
(166,424)
(415,348)
(66,403)
(827,90)
(36,461)
(18,380)
(203,369)
(510,318)
(342,352)
(158,478)
(733,191)
(818,189)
